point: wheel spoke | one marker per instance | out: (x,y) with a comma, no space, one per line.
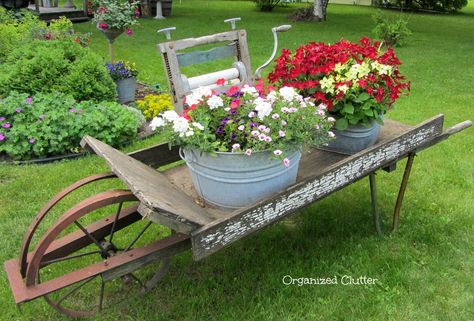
(69,257)
(74,289)
(138,236)
(93,239)
(112,231)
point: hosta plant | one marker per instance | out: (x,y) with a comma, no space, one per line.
(246,120)
(358,82)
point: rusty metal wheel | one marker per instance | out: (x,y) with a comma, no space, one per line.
(104,226)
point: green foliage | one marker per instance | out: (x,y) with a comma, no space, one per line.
(56,65)
(266,5)
(17,29)
(436,5)
(115,14)
(392,31)
(54,124)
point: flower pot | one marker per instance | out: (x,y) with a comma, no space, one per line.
(126,89)
(233,180)
(111,33)
(354,139)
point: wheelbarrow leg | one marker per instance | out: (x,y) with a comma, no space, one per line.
(401,192)
(375,209)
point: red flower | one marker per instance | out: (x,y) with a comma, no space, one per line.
(129,32)
(232,90)
(220,82)
(235,103)
(103,26)
(379,95)
(102,10)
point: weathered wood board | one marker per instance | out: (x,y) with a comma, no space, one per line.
(159,199)
(315,185)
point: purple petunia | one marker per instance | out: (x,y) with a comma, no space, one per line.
(224,121)
(2,118)
(71,110)
(220,130)
(31,140)
(2,137)
(18,110)
(6,125)
(28,100)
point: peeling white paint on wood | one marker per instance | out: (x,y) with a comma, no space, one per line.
(209,240)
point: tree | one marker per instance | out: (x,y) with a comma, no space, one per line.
(320,7)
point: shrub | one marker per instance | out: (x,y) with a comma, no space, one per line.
(152,105)
(53,124)
(266,5)
(392,31)
(303,14)
(16,29)
(436,5)
(56,65)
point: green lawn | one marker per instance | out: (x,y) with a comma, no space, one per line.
(424,271)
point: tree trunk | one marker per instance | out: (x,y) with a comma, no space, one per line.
(146,8)
(320,10)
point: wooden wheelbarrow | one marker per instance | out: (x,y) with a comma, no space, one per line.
(88,248)
(122,240)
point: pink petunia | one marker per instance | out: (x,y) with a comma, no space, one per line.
(286,162)
(129,32)
(6,125)
(28,100)
(2,137)
(32,141)
(248,152)
(18,110)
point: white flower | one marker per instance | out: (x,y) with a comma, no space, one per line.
(275,116)
(193,99)
(249,89)
(189,133)
(235,147)
(263,108)
(267,130)
(261,127)
(272,96)
(281,133)
(321,112)
(283,123)
(331,134)
(284,109)
(331,119)
(227,109)
(203,91)
(248,152)
(288,93)
(277,152)
(241,127)
(215,102)
(262,137)
(268,139)
(322,106)
(198,126)
(180,125)
(317,126)
(170,115)
(251,114)
(157,122)
(292,110)
(255,133)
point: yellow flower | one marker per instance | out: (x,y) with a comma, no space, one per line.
(152,105)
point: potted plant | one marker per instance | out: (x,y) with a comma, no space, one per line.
(113,17)
(244,144)
(125,76)
(358,82)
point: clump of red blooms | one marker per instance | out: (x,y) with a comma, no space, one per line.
(310,63)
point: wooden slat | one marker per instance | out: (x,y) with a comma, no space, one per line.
(216,235)
(243,54)
(205,40)
(201,56)
(152,188)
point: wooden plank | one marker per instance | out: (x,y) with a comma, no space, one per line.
(205,40)
(214,236)
(152,188)
(201,56)
(243,54)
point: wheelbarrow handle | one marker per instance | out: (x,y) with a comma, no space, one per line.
(458,127)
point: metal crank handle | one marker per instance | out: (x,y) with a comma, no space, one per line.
(232,21)
(275,31)
(167,32)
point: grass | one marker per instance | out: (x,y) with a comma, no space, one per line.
(424,271)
